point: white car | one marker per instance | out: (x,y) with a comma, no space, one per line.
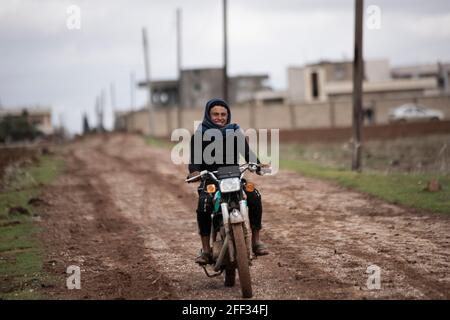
(412,112)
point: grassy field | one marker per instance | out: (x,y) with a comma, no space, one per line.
(428,154)
(21,272)
(396,171)
(159,143)
(397,188)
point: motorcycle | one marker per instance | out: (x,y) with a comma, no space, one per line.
(231,232)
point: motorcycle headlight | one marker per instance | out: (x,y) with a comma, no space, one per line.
(230,185)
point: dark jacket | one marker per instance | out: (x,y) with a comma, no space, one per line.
(227,133)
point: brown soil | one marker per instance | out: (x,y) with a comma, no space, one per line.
(122,212)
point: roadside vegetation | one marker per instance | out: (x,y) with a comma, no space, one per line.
(408,171)
(398,188)
(21,265)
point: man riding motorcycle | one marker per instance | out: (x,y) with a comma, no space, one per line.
(218,116)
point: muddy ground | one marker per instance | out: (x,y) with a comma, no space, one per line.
(123,214)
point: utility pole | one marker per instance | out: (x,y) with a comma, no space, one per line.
(132,90)
(86,128)
(358,72)
(225,52)
(102,110)
(147,79)
(179,51)
(113,103)
(61,121)
(98,113)
(112,96)
(443,77)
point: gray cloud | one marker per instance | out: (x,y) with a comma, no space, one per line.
(43,62)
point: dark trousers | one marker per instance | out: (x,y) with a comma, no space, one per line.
(205,209)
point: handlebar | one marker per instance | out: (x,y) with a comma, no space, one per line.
(252,167)
(201,175)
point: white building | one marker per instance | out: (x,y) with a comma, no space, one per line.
(41,118)
(330,81)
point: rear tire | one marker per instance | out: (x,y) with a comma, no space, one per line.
(242,261)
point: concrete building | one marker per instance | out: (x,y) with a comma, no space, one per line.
(197,86)
(269,97)
(243,88)
(41,118)
(165,93)
(200,85)
(331,81)
(318,96)
(438,71)
(120,118)
(383,90)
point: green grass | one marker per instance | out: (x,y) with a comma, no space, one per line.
(158,142)
(429,154)
(20,254)
(397,188)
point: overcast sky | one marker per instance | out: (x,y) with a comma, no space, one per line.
(43,62)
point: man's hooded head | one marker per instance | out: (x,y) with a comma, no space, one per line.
(208,123)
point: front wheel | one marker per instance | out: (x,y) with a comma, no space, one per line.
(242,261)
(230,272)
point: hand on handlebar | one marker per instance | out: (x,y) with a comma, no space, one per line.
(262,166)
(193,174)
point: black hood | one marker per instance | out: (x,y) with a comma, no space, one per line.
(207,122)
(212,103)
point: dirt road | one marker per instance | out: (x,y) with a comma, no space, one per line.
(123,214)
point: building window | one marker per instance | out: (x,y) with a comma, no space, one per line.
(164,98)
(339,72)
(315,85)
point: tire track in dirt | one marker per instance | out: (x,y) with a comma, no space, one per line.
(322,237)
(346,232)
(84,228)
(173,237)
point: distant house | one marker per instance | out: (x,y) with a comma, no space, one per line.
(40,118)
(333,81)
(165,93)
(438,71)
(318,95)
(196,86)
(269,97)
